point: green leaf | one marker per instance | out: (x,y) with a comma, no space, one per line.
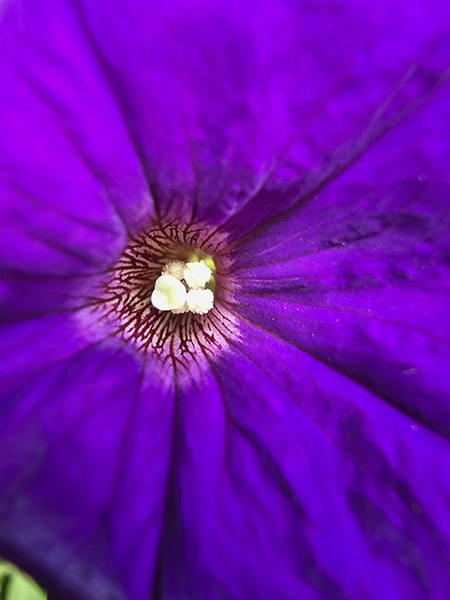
(15,585)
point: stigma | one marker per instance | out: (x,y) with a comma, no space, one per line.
(184,287)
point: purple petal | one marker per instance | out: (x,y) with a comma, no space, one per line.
(359,277)
(349,491)
(290,481)
(206,104)
(71,181)
(225,101)
(84,470)
(312,460)
(421,80)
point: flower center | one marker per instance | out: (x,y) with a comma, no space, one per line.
(168,295)
(185,287)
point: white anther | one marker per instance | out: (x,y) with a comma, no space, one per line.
(196,274)
(181,310)
(200,301)
(174,268)
(169,293)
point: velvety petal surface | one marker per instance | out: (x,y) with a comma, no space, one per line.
(290,480)
(311,461)
(343,490)
(71,182)
(359,276)
(85,443)
(345,300)
(335,399)
(221,102)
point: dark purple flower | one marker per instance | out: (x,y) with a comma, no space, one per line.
(293,442)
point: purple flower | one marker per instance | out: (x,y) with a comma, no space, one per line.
(292,442)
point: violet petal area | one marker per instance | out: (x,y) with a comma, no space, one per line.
(225,298)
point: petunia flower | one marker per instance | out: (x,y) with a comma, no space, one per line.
(279,431)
